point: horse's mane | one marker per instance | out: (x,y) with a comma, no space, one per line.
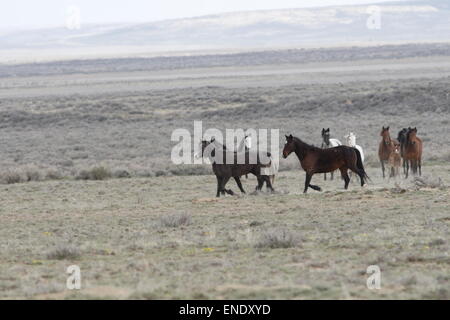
(304,145)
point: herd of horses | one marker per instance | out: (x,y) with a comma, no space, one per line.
(404,151)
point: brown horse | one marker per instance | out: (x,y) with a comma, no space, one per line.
(224,170)
(413,152)
(316,160)
(385,148)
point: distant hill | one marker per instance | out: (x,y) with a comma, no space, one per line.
(410,21)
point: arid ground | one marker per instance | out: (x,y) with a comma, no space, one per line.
(86,178)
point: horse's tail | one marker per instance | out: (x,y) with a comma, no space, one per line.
(360,166)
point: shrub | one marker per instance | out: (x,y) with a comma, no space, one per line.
(11,176)
(175,220)
(277,238)
(32,174)
(53,175)
(97,173)
(122,174)
(62,252)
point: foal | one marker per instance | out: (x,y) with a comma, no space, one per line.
(316,160)
(413,152)
(395,160)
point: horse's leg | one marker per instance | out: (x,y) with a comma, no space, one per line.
(268,183)
(382,167)
(332,175)
(407,169)
(344,175)
(325,176)
(307,181)
(238,182)
(219,184)
(420,167)
(272,179)
(260,183)
(224,182)
(404,166)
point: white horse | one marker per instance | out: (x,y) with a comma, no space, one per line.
(329,143)
(351,142)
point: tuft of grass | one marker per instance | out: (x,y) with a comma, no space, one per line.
(122,174)
(277,238)
(175,220)
(64,252)
(53,175)
(32,173)
(11,176)
(96,173)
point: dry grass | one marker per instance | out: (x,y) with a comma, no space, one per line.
(277,238)
(96,173)
(146,240)
(175,220)
(64,252)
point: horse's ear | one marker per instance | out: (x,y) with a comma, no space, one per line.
(291,137)
(328,130)
(213,139)
(286,136)
(415,129)
(323,130)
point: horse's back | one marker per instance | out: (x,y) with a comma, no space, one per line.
(335,143)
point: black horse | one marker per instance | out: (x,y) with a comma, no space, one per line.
(403,139)
(224,169)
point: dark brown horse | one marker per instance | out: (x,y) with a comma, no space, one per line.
(224,169)
(413,152)
(385,148)
(316,160)
(402,137)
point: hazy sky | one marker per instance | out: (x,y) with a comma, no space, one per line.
(23,14)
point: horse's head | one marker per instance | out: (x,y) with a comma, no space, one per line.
(206,145)
(326,136)
(289,146)
(351,139)
(411,135)
(248,141)
(396,146)
(402,135)
(386,136)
